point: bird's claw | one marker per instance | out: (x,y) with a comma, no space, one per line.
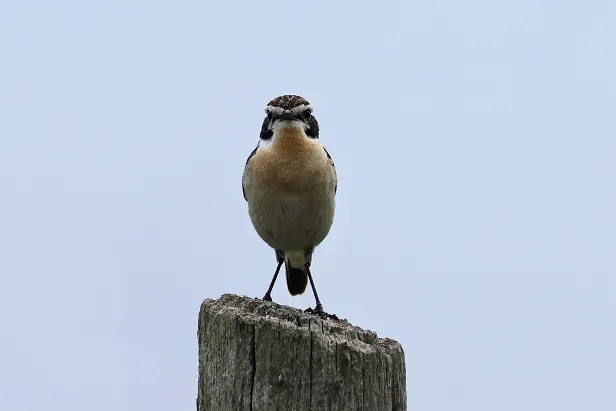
(267,297)
(318,310)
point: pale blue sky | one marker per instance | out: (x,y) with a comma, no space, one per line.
(475,144)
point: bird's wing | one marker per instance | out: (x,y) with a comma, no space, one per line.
(247,160)
(332,162)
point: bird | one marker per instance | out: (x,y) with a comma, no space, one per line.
(290,185)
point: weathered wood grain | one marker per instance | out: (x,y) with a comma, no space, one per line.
(260,356)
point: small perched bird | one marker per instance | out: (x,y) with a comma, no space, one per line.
(290,184)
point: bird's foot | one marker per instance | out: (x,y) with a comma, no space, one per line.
(267,297)
(318,310)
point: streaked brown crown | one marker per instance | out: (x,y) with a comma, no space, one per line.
(288,101)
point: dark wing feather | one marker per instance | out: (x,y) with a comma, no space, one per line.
(247,160)
(333,165)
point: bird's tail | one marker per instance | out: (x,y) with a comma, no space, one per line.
(297,279)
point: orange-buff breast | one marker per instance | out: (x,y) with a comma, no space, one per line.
(292,165)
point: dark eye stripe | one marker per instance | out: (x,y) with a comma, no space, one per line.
(266,133)
(312,130)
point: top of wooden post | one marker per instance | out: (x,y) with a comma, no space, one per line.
(261,356)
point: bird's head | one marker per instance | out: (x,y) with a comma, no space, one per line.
(289,111)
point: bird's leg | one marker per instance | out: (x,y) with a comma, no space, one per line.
(268,294)
(318,309)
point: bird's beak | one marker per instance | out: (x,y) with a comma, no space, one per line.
(287,115)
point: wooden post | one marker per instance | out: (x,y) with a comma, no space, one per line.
(260,356)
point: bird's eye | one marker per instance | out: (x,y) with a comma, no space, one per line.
(307,114)
(270,116)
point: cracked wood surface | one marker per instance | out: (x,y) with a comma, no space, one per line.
(260,356)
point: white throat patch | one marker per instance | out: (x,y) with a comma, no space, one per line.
(283,124)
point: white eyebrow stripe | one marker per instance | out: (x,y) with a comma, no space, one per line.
(280,110)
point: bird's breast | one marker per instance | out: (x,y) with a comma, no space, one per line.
(293,164)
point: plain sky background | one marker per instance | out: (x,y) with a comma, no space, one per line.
(475,143)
